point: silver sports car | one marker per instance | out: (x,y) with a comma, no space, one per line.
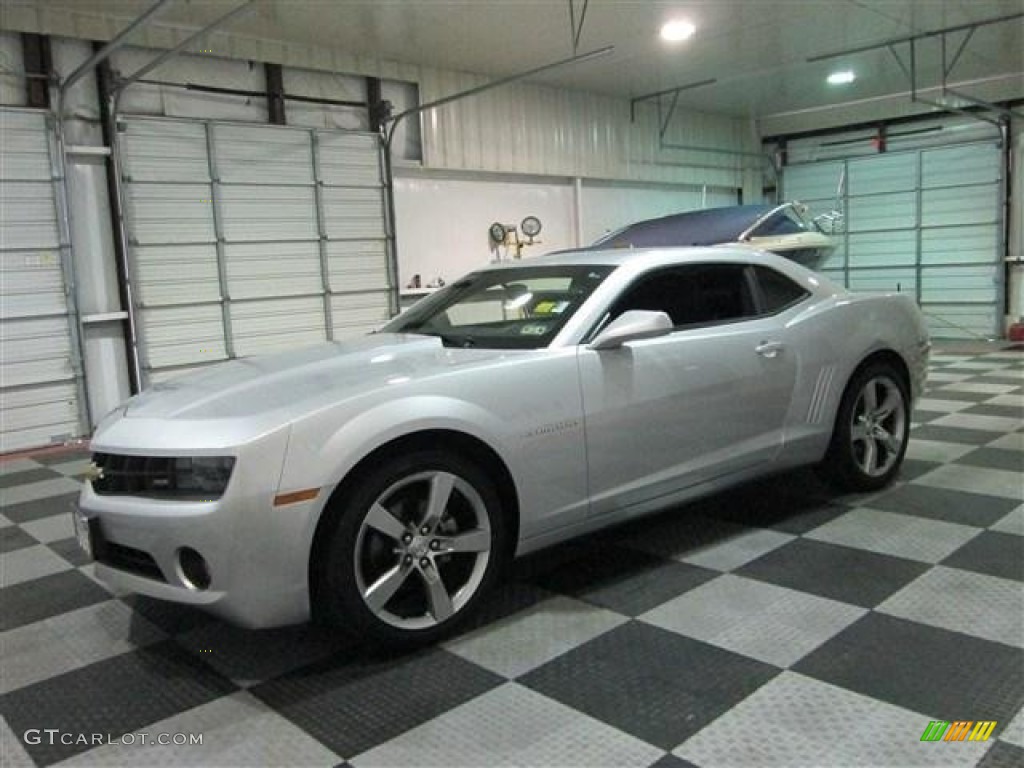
(382,483)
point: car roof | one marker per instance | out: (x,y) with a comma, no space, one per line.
(637,256)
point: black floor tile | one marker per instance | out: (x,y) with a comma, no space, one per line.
(953,435)
(992,553)
(624,580)
(70,550)
(31,601)
(1006,381)
(853,576)
(790,501)
(914,468)
(802,521)
(933,671)
(656,685)
(1002,411)
(12,537)
(945,504)
(172,618)
(114,696)
(939,393)
(506,598)
(995,458)
(922,416)
(28,476)
(34,510)
(671,761)
(1002,755)
(354,703)
(252,656)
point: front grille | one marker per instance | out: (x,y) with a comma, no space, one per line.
(125,558)
(196,478)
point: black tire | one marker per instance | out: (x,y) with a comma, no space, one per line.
(387,587)
(858,431)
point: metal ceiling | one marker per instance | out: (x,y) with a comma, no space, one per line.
(752,53)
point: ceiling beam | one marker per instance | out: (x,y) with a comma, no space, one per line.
(118,41)
(171,52)
(919,36)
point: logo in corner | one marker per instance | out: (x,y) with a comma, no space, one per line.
(93,472)
(959,730)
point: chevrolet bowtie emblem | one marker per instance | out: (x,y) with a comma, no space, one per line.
(94,472)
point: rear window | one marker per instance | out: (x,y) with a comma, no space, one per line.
(777,291)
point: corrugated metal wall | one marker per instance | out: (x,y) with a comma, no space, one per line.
(250,239)
(533,129)
(39,387)
(925,221)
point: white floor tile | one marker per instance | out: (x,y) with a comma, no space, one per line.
(945,406)
(511,726)
(977,422)
(959,477)
(913,538)
(53,528)
(934,450)
(10,466)
(763,621)
(736,551)
(30,563)
(797,721)
(976,387)
(1012,523)
(962,601)
(1011,442)
(43,489)
(519,643)
(71,640)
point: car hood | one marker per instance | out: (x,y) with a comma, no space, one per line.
(302,380)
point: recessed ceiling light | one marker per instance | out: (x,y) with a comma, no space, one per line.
(842,77)
(677,30)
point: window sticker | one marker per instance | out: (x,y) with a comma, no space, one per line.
(544,308)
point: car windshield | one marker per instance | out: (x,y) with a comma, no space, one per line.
(514,308)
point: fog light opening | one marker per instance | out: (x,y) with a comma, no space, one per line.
(194,570)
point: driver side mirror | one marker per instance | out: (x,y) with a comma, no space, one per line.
(630,326)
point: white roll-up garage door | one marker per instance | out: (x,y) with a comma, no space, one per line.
(40,389)
(250,239)
(924,221)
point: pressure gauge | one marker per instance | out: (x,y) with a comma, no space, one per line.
(497,233)
(530,226)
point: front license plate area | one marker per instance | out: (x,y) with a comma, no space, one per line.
(84,532)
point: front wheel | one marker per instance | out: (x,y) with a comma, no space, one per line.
(871,431)
(417,544)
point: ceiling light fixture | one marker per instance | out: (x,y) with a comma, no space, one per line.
(677,30)
(843,77)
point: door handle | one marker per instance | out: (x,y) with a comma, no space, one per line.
(769,349)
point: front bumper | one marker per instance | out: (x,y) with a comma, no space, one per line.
(257,554)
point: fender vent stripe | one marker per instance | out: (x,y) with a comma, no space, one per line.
(820,396)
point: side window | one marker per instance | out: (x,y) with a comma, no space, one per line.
(693,294)
(777,290)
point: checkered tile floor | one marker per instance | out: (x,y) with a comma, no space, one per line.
(773,625)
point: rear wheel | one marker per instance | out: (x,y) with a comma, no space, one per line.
(871,431)
(416,546)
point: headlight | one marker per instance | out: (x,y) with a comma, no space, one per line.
(187,477)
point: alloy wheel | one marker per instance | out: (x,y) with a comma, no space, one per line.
(422,550)
(879,426)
